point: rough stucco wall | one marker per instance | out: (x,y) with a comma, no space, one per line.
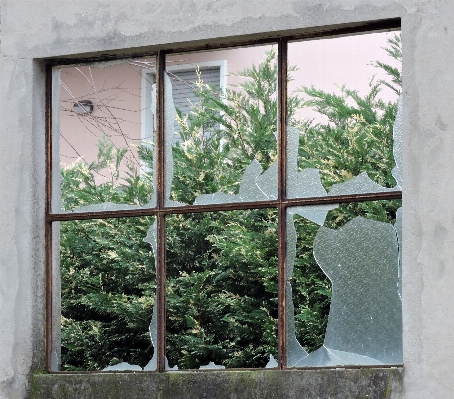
(428,272)
(36,29)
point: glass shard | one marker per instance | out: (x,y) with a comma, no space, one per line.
(304,183)
(293,135)
(272,363)
(365,319)
(103,137)
(170,114)
(398,227)
(314,213)
(216,198)
(249,190)
(104,206)
(295,352)
(123,366)
(397,145)
(211,366)
(330,357)
(152,239)
(267,182)
(168,368)
(360,184)
(223,130)
(307,183)
(152,365)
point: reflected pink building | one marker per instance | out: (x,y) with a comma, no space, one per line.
(123,93)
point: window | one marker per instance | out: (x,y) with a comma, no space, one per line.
(260,227)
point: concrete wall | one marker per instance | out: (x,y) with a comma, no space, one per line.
(34,29)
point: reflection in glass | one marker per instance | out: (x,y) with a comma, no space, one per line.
(359,320)
(223,128)
(108,288)
(342,123)
(106,130)
(222,289)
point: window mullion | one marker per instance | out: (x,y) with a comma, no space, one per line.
(48,225)
(282,195)
(161,223)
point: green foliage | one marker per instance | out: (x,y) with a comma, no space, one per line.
(108,286)
(222,296)
(80,184)
(394,50)
(241,123)
(221,267)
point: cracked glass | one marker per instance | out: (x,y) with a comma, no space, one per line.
(220,265)
(221,126)
(353,296)
(104,125)
(338,140)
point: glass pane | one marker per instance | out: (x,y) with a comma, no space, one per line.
(343,116)
(222,289)
(108,294)
(105,129)
(221,123)
(343,282)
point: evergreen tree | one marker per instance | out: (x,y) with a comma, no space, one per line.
(221,267)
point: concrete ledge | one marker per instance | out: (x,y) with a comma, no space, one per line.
(289,384)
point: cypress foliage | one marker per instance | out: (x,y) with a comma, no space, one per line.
(221,267)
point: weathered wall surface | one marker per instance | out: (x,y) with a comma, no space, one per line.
(34,29)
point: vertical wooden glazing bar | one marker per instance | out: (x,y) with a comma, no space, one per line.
(282,187)
(160,123)
(161,222)
(161,290)
(48,226)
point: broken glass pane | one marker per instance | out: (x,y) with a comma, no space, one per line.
(221,131)
(108,294)
(398,227)
(357,252)
(340,122)
(397,145)
(222,289)
(103,131)
(360,184)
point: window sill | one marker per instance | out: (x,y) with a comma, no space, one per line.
(371,383)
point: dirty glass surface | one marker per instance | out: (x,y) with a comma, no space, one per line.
(222,289)
(104,133)
(108,294)
(221,129)
(340,134)
(344,307)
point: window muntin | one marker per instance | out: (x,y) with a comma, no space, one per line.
(314,204)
